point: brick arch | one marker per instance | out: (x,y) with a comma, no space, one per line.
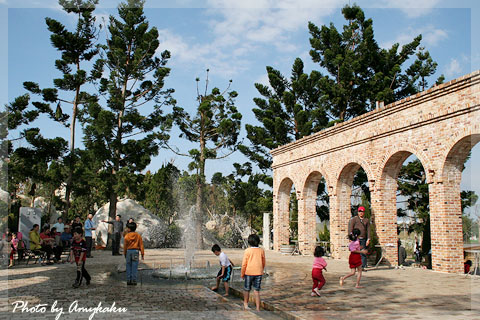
(340,203)
(347,169)
(281,213)
(455,151)
(438,126)
(395,155)
(384,208)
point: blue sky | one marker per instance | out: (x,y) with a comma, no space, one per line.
(236,41)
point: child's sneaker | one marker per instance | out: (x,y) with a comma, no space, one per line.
(313,294)
(87,282)
(76,284)
(134,282)
(129,283)
(317,291)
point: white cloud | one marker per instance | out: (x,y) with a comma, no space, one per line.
(412,8)
(265,21)
(190,54)
(431,36)
(453,69)
(241,29)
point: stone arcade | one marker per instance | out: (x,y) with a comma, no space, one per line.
(439,126)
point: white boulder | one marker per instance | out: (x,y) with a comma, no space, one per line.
(149,226)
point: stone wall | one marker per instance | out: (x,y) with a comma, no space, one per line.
(439,126)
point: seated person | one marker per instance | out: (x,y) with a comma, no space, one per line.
(47,243)
(66,237)
(36,243)
(467,266)
(57,246)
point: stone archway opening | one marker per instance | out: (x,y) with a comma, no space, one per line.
(351,186)
(412,208)
(281,222)
(403,209)
(470,193)
(447,218)
(315,208)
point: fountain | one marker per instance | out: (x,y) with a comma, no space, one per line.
(187,270)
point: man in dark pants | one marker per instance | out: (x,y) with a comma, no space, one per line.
(363,224)
(89,227)
(117,234)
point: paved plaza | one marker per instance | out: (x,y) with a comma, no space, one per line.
(408,293)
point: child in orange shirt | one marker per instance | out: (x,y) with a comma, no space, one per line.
(132,244)
(252,270)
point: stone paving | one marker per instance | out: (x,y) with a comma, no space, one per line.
(407,293)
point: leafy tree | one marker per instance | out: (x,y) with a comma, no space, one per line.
(214,127)
(422,68)
(412,185)
(245,197)
(76,47)
(359,71)
(159,194)
(120,136)
(287,111)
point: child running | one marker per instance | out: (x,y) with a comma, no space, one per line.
(79,251)
(319,264)
(252,270)
(133,244)
(355,259)
(226,269)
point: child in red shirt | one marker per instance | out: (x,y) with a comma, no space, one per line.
(79,251)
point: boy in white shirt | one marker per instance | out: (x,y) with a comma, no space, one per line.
(225,272)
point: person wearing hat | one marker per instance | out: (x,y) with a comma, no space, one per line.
(363,224)
(66,237)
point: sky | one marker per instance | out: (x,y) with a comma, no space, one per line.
(236,40)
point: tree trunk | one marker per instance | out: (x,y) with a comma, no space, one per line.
(200,185)
(68,188)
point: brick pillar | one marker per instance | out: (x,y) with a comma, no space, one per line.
(280,218)
(384,214)
(307,223)
(446,226)
(339,217)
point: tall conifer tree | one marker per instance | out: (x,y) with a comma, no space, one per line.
(214,127)
(119,135)
(76,47)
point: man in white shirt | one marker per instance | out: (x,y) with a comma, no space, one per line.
(59,225)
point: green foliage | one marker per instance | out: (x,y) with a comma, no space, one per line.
(325,234)
(213,128)
(136,78)
(160,192)
(287,111)
(243,197)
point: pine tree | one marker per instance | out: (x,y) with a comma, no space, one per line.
(359,72)
(120,136)
(214,127)
(76,47)
(288,111)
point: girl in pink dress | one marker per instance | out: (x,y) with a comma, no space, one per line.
(355,259)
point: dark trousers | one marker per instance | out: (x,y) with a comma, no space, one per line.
(82,273)
(88,240)
(116,243)
(48,249)
(318,279)
(363,245)
(58,252)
